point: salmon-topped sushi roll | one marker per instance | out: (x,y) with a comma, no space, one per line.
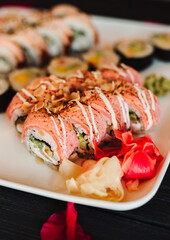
(88,124)
(84,33)
(63,10)
(123,73)
(36,95)
(57,36)
(112,107)
(144,108)
(11,55)
(33,45)
(49,136)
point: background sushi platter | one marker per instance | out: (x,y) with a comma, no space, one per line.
(20,170)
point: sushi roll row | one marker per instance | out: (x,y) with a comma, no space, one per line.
(51,38)
(53,88)
(57,120)
(81,123)
(13,19)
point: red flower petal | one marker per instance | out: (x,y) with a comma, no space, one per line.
(63,226)
(54,228)
(71,221)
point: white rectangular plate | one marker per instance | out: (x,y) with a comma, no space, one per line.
(19,170)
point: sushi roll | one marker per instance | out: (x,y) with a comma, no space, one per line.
(135,53)
(10,23)
(88,124)
(21,78)
(161,43)
(63,10)
(33,46)
(40,93)
(106,75)
(144,108)
(6,94)
(64,66)
(49,136)
(57,36)
(84,33)
(122,73)
(126,106)
(11,55)
(100,58)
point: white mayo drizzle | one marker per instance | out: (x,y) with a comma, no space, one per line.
(78,74)
(152,99)
(93,122)
(96,74)
(28,94)
(114,67)
(128,72)
(87,119)
(64,131)
(21,98)
(124,109)
(109,107)
(55,125)
(46,82)
(127,112)
(145,103)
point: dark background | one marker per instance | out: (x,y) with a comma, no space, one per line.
(22,214)
(148,10)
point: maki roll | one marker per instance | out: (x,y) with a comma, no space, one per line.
(88,124)
(161,43)
(135,53)
(5,94)
(11,55)
(64,66)
(63,10)
(21,78)
(35,96)
(33,46)
(49,136)
(84,33)
(100,58)
(57,36)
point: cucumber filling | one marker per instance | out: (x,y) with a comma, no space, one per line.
(83,142)
(133,117)
(49,40)
(77,34)
(42,146)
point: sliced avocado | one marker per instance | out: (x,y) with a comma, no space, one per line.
(41,145)
(82,141)
(77,34)
(133,117)
(108,129)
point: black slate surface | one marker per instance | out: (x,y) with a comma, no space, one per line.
(22,215)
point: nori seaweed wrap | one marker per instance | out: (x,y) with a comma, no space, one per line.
(135,53)
(161,43)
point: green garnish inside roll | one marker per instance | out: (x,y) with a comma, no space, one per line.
(77,34)
(160,86)
(42,146)
(82,141)
(133,117)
